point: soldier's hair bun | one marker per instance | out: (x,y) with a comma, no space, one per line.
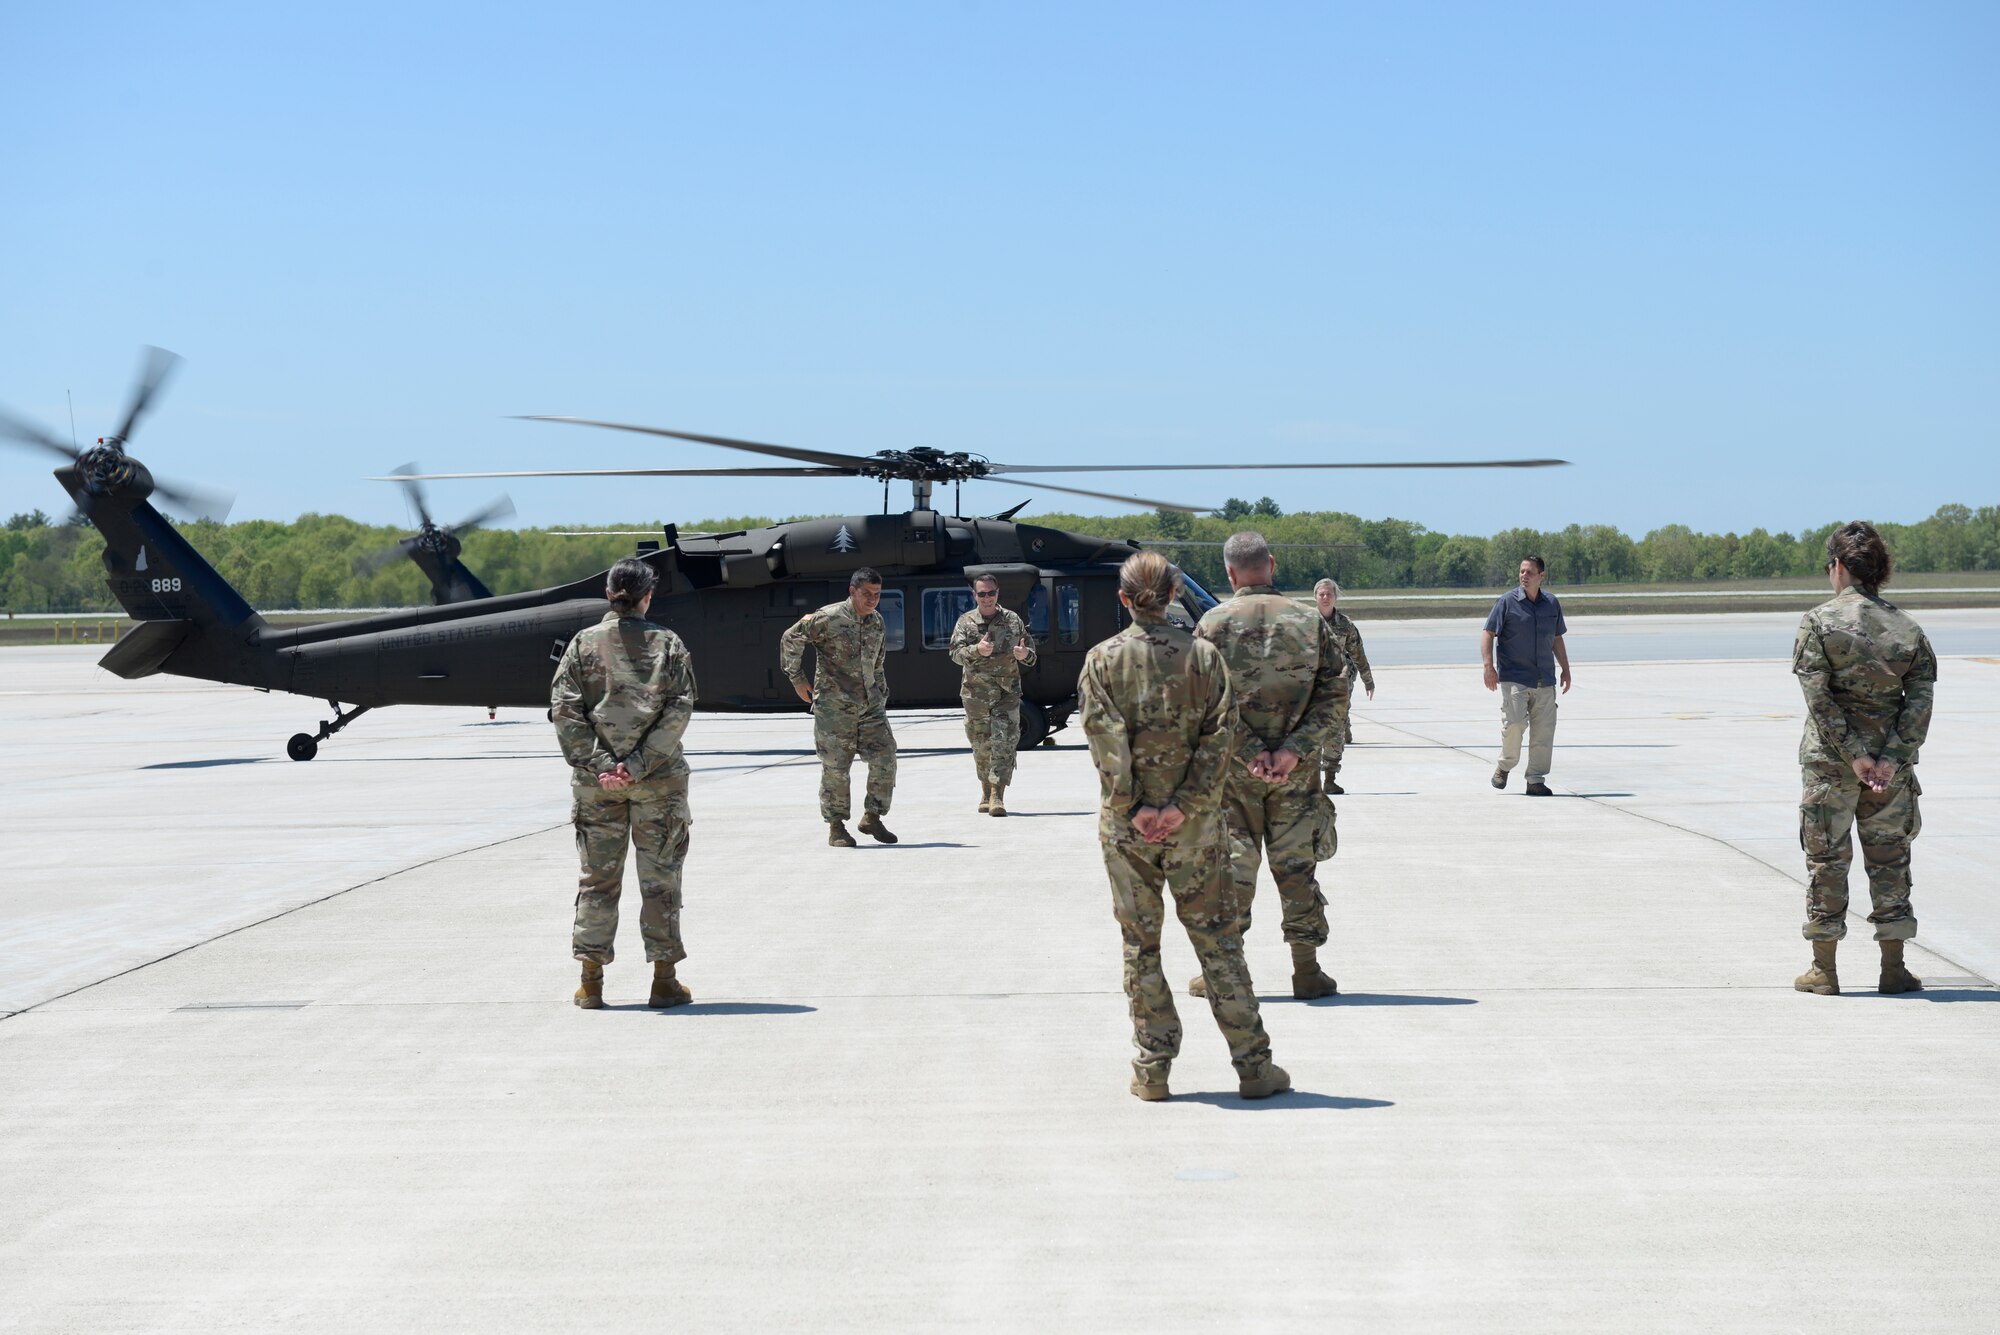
(1860,548)
(1148,579)
(628,583)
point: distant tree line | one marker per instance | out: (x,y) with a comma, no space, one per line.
(314,560)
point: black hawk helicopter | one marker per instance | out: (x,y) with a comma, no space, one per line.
(728,595)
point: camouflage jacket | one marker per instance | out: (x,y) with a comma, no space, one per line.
(851,671)
(1288,675)
(1157,713)
(1868,674)
(1348,636)
(623,692)
(1000,674)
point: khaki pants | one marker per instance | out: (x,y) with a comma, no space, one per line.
(1529,709)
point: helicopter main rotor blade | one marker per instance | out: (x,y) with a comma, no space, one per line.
(1207,468)
(825,458)
(22,430)
(1111,496)
(159,367)
(629,472)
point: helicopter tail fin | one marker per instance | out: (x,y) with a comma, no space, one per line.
(155,574)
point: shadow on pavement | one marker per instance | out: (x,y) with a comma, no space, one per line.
(722,1008)
(1932,994)
(872,847)
(1033,815)
(1296,1100)
(1596,794)
(1367,999)
(207,764)
(809,751)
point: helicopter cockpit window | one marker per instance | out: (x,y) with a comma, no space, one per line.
(891,608)
(942,609)
(1038,611)
(1197,598)
(1069,613)
(1186,610)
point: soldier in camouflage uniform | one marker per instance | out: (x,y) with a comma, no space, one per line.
(992,644)
(849,695)
(620,702)
(1290,683)
(1348,636)
(1156,710)
(1868,674)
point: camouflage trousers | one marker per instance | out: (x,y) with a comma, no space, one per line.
(1336,744)
(1292,823)
(1197,876)
(1834,804)
(840,738)
(653,816)
(993,726)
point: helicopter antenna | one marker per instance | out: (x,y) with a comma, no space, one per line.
(72,420)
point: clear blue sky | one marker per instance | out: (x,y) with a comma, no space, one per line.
(1738,261)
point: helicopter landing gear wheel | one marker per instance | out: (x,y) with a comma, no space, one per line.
(1034,726)
(305,745)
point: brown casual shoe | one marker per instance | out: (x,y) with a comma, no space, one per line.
(1539,789)
(1499,778)
(1821,978)
(667,990)
(1271,1080)
(837,835)
(872,826)
(590,996)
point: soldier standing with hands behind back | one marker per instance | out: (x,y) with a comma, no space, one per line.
(1869,676)
(1290,683)
(621,699)
(1157,712)
(849,695)
(992,644)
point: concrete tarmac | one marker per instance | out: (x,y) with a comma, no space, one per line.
(294,1046)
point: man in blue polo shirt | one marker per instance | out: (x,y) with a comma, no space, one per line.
(1522,646)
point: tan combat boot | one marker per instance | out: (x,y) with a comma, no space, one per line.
(837,835)
(1330,784)
(999,807)
(1272,1079)
(590,995)
(1896,978)
(1821,978)
(1308,979)
(985,796)
(1198,986)
(872,826)
(1152,1091)
(667,990)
